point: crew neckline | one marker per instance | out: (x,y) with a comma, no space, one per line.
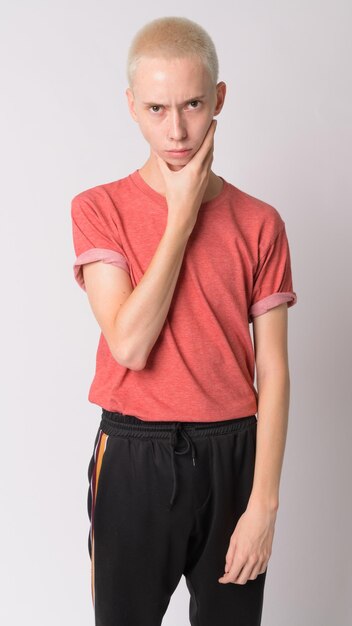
(161,200)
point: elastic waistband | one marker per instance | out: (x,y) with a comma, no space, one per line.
(114,422)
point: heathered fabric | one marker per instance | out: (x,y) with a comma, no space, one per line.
(236,266)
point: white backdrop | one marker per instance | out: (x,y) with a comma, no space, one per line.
(284,136)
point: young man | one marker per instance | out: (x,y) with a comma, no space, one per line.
(177,262)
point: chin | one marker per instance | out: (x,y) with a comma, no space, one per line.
(176,167)
(177,160)
(176,164)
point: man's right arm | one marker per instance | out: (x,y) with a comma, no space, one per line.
(131,319)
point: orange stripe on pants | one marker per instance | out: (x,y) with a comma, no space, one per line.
(99,460)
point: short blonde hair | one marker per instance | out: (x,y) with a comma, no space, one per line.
(172,37)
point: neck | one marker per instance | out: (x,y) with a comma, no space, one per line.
(151,174)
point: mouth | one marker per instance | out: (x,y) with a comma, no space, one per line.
(178,152)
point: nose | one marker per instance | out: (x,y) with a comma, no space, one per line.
(177,129)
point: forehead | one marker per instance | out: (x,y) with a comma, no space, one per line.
(171,78)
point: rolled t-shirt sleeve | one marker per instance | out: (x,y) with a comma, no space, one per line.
(273,278)
(93,238)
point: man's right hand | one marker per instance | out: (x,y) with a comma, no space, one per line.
(185,188)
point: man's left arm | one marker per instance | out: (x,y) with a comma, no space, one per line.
(251,542)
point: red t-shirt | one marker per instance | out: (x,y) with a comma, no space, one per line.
(236,265)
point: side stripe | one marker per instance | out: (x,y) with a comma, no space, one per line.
(98,459)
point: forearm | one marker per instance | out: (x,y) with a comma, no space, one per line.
(141,318)
(273,408)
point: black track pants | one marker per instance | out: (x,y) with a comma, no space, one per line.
(163,500)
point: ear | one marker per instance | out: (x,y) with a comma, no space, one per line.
(131,104)
(220,97)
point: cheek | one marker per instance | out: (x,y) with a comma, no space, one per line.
(151,129)
(201,123)
(148,132)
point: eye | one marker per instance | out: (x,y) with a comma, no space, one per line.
(192,102)
(159,106)
(155,106)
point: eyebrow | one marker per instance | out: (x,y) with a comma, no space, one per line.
(185,102)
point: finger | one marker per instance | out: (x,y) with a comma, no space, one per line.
(254,573)
(244,575)
(209,158)
(233,572)
(232,575)
(206,163)
(256,570)
(208,140)
(207,144)
(210,147)
(206,159)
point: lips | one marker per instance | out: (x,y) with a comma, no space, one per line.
(180,151)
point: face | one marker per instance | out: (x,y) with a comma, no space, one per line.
(174,102)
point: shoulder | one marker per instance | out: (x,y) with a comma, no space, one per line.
(262,222)
(100,198)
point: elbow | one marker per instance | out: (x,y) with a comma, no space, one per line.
(135,366)
(123,358)
(125,354)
